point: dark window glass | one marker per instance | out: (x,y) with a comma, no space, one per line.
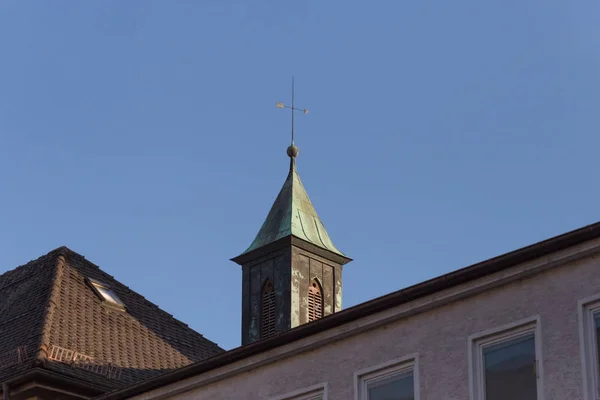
(398,387)
(510,370)
(597,320)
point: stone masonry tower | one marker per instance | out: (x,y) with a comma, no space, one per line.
(292,272)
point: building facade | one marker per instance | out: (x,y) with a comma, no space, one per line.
(521,326)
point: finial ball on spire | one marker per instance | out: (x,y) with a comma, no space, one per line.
(292,151)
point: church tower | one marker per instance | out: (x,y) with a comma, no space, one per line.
(292,272)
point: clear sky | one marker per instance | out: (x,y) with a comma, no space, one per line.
(144,135)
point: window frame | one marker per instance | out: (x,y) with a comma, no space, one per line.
(307,393)
(479,341)
(590,367)
(94,283)
(408,363)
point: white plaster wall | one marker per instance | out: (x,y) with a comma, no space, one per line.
(440,336)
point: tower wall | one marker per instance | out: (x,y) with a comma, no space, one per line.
(291,270)
(275,266)
(307,266)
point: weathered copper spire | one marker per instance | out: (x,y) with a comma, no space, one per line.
(293,214)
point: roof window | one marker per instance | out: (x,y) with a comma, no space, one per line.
(105,292)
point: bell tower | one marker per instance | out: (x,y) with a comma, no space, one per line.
(292,272)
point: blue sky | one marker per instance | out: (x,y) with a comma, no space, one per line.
(144,135)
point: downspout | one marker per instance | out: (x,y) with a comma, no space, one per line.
(5,392)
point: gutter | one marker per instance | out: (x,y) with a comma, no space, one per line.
(393,299)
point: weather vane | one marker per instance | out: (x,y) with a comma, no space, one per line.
(281,105)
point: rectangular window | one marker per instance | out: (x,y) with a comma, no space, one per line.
(313,396)
(505,363)
(317,392)
(589,331)
(394,380)
(510,370)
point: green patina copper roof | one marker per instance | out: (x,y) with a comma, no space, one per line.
(293,214)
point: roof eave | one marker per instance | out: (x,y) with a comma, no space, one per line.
(56,377)
(290,240)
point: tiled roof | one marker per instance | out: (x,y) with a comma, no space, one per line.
(50,317)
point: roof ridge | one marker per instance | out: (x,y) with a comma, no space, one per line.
(126,288)
(41,349)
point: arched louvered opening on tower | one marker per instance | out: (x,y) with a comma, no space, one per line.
(315,301)
(267,320)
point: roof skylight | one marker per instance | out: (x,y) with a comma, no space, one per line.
(106,293)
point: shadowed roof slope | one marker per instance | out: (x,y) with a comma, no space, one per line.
(52,318)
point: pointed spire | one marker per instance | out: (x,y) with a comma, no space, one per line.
(293,214)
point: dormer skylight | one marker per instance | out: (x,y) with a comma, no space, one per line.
(105,292)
